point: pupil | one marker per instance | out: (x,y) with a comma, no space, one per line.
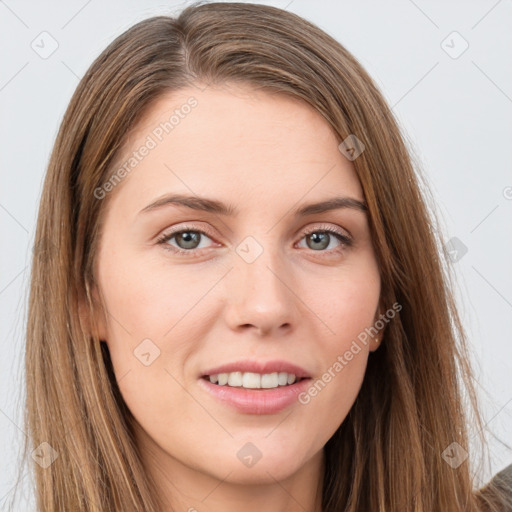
(322,238)
(189,238)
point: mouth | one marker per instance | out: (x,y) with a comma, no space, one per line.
(253,393)
(254,381)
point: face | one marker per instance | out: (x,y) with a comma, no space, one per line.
(194,290)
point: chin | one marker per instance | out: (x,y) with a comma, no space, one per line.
(266,466)
(260,474)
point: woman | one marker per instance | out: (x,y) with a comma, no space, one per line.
(237,298)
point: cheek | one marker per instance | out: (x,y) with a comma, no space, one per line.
(347,307)
(345,302)
(333,391)
(149,297)
(152,329)
(326,403)
(138,297)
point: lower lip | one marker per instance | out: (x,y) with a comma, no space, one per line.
(257,401)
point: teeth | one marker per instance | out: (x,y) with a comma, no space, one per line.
(235,379)
(269,380)
(251,380)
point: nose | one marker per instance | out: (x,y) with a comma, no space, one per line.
(260,296)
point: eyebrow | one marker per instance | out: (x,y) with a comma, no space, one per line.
(217,207)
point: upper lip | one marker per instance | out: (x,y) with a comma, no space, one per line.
(258,367)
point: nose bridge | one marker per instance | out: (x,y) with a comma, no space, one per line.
(259,294)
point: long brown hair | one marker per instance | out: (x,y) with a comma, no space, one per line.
(418,395)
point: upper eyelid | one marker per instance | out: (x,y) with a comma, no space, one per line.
(206,231)
(326,227)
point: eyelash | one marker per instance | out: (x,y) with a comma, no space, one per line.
(344,240)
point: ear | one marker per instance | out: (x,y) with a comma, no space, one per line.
(377,339)
(94,321)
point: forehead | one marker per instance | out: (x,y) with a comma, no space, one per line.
(246,146)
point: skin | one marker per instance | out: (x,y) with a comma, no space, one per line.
(264,154)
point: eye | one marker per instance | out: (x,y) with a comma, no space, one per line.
(320,238)
(187,240)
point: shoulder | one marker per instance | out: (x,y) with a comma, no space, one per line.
(498,492)
(503,479)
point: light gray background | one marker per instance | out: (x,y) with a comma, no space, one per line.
(456,113)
